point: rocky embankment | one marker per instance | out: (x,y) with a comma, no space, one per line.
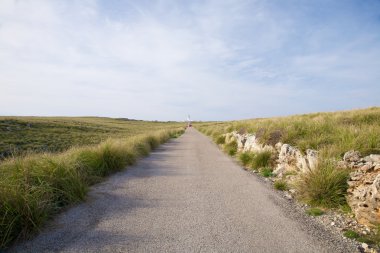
(363,194)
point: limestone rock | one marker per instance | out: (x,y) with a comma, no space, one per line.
(312,158)
(251,144)
(240,139)
(247,142)
(291,158)
(372,158)
(351,156)
(278,146)
(364,196)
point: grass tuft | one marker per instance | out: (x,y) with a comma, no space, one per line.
(351,234)
(261,159)
(231,148)
(324,186)
(266,172)
(221,139)
(246,158)
(281,185)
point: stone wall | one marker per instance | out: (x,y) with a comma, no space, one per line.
(364,187)
(363,195)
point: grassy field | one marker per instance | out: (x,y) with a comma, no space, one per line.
(331,133)
(36,184)
(20,135)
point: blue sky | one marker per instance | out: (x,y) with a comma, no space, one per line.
(214,60)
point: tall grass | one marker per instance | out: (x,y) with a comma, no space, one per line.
(324,186)
(330,133)
(34,187)
(262,159)
(231,148)
(246,158)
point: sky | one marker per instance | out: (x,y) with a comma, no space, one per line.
(165,59)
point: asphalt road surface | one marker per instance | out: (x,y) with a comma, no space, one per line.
(187,196)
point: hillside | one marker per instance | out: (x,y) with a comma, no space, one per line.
(331,133)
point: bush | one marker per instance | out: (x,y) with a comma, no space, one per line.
(246,158)
(281,185)
(261,159)
(266,172)
(324,186)
(314,212)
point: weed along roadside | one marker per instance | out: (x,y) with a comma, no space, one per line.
(35,187)
(328,162)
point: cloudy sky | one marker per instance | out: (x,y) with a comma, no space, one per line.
(164,59)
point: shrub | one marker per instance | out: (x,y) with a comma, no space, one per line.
(221,139)
(261,159)
(266,172)
(246,158)
(324,186)
(281,185)
(314,212)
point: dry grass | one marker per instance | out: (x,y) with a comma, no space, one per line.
(330,133)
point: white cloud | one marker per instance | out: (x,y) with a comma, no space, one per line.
(163,60)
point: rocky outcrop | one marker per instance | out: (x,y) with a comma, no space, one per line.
(247,142)
(364,182)
(290,159)
(253,145)
(364,187)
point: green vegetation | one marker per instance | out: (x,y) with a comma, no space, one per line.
(331,133)
(261,159)
(324,186)
(33,187)
(231,148)
(24,135)
(281,185)
(220,139)
(266,172)
(246,158)
(373,239)
(351,234)
(314,211)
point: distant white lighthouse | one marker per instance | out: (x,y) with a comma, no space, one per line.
(188,121)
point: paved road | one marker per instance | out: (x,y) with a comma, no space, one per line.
(185,197)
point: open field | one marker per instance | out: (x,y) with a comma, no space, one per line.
(35,185)
(56,134)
